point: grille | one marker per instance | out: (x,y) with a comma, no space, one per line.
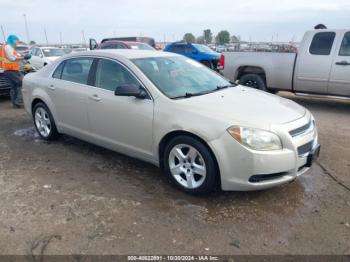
(306,148)
(300,130)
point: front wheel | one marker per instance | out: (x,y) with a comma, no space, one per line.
(253,81)
(189,164)
(44,122)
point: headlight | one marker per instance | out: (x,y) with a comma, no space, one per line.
(256,139)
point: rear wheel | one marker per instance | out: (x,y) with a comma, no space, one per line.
(253,81)
(189,164)
(44,122)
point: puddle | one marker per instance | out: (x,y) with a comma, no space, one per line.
(27,132)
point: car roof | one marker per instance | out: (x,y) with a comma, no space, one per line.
(48,47)
(123,42)
(126,53)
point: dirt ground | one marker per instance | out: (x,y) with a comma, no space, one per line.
(70,197)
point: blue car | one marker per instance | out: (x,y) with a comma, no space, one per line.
(200,53)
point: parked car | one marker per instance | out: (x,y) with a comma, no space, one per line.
(42,56)
(114,44)
(321,66)
(200,53)
(23,49)
(5,84)
(146,40)
(174,112)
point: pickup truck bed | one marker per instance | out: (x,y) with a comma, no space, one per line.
(283,63)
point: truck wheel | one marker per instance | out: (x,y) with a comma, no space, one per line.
(253,81)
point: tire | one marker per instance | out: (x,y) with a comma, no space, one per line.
(196,176)
(44,123)
(253,81)
(207,64)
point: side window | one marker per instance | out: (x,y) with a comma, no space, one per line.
(58,72)
(35,52)
(113,46)
(77,70)
(322,43)
(345,45)
(189,49)
(110,75)
(181,48)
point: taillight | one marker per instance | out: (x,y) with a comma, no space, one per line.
(221,64)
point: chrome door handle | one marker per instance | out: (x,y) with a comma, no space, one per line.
(52,87)
(95,98)
(343,63)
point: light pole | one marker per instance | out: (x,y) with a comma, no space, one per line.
(26,27)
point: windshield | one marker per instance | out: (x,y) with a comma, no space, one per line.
(53,52)
(204,49)
(141,46)
(180,76)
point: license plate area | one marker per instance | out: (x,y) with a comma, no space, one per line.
(313,155)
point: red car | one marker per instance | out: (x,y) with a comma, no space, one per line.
(113,44)
(140,43)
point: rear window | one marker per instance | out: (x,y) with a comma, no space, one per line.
(345,45)
(322,43)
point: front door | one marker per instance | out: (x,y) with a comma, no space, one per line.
(121,123)
(314,64)
(339,83)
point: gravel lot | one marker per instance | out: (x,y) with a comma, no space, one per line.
(70,197)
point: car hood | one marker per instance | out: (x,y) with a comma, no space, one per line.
(245,106)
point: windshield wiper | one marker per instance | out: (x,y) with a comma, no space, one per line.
(187,95)
(225,86)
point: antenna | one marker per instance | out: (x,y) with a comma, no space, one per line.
(26,27)
(47,41)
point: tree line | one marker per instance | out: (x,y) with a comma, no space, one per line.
(223,37)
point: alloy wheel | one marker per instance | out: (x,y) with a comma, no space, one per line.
(42,122)
(187,166)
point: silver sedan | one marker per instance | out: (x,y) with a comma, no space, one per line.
(203,131)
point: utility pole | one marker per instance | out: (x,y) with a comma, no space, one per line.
(26,27)
(84,40)
(61,38)
(47,41)
(3,33)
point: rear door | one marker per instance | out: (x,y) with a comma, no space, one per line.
(121,123)
(68,91)
(314,63)
(339,83)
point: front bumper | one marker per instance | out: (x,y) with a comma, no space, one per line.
(243,169)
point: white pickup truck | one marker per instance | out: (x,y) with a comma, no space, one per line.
(321,66)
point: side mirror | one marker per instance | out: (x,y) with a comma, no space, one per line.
(41,55)
(130,90)
(194,52)
(93,44)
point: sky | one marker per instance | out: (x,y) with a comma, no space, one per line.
(252,20)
